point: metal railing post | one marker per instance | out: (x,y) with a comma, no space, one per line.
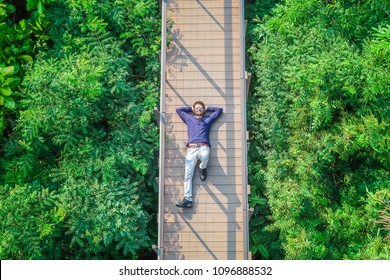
(162,129)
(243,85)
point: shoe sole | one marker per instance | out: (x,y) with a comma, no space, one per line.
(182,206)
(203,179)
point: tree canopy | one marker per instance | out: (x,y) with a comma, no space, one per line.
(78,172)
(319,118)
(79,143)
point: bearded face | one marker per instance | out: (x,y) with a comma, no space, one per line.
(199,110)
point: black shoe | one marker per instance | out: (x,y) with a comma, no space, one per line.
(203,174)
(184,203)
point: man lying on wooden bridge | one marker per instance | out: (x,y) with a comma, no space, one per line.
(198,129)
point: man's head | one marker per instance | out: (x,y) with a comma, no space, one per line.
(199,108)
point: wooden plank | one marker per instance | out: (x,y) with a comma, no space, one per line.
(209,188)
(179,152)
(224,144)
(235,109)
(216,180)
(213,60)
(219,20)
(203,218)
(189,64)
(215,159)
(180,69)
(206,198)
(187,226)
(214,11)
(214,162)
(228,212)
(185,45)
(193,74)
(214,167)
(192,68)
(222,82)
(193,255)
(196,64)
(205,27)
(218,3)
(186,54)
(212,171)
(204,236)
(195,94)
(204,4)
(207,88)
(204,208)
(199,245)
(212,56)
(231,228)
(202,58)
(186,82)
(179,132)
(211,100)
(203,196)
(224,50)
(176,34)
(224,118)
(218,130)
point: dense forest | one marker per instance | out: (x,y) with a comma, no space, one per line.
(79,142)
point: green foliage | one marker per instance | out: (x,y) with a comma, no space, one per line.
(85,132)
(8,81)
(16,49)
(15,45)
(37,5)
(320,141)
(5,10)
(31,223)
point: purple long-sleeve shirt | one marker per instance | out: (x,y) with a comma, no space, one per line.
(198,128)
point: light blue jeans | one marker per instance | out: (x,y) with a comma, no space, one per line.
(193,155)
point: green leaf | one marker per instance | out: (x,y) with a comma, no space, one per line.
(9,103)
(40,7)
(6,91)
(13,82)
(2,118)
(26,58)
(23,24)
(263,251)
(8,71)
(31,4)
(10,8)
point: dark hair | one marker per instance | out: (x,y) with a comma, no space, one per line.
(198,102)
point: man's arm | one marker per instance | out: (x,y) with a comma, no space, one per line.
(183,112)
(216,112)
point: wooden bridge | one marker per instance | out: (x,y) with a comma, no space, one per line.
(204,59)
